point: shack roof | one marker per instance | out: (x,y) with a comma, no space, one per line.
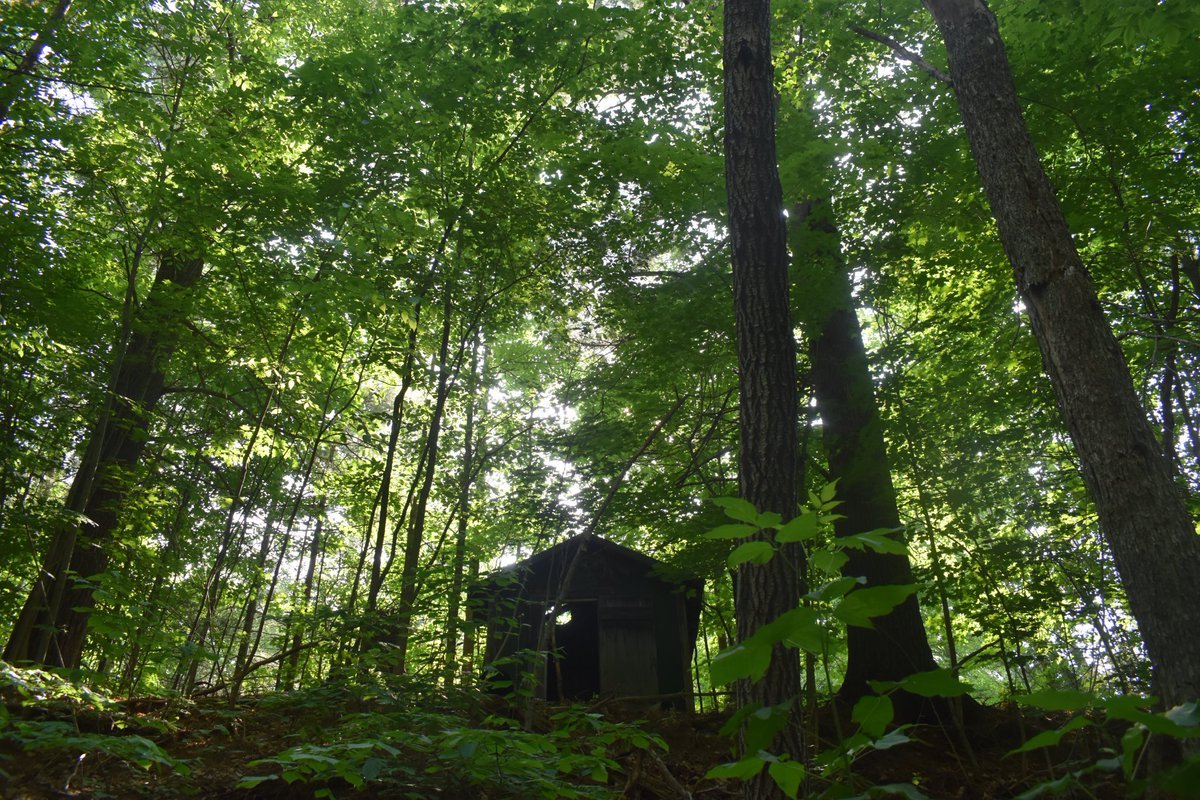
(563,552)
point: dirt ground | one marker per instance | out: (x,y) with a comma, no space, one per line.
(217,742)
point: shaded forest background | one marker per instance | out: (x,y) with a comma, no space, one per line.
(311,313)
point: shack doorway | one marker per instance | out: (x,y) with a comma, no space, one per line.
(573,669)
(621,627)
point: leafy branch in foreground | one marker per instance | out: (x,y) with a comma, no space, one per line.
(44,692)
(1179,723)
(839,600)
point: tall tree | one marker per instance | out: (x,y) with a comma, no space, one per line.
(52,626)
(852,437)
(1151,534)
(767,461)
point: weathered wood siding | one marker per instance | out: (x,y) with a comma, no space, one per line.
(631,634)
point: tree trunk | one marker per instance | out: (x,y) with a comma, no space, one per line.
(385,484)
(290,675)
(1144,519)
(766,347)
(466,483)
(416,527)
(214,584)
(250,617)
(852,436)
(52,626)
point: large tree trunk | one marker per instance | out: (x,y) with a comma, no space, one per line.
(765,343)
(852,435)
(52,626)
(1143,517)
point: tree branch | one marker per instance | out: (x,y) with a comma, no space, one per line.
(904,53)
(261,663)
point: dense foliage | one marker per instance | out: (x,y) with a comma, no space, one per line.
(410,290)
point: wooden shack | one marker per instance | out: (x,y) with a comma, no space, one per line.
(589,617)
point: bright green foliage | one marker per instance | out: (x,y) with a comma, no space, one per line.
(428,753)
(839,602)
(935,683)
(542,181)
(49,738)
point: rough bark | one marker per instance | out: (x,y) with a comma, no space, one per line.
(1147,526)
(52,626)
(765,345)
(852,437)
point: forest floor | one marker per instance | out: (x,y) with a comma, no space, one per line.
(157,748)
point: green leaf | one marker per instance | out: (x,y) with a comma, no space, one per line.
(734,724)
(877,540)
(753,552)
(731,531)
(1131,744)
(742,769)
(873,713)
(740,661)
(799,529)
(769,519)
(827,560)
(788,776)
(1051,738)
(739,509)
(835,588)
(1131,709)
(858,607)
(801,627)
(1185,716)
(890,740)
(372,767)
(251,781)
(763,724)
(829,491)
(939,682)
(1057,700)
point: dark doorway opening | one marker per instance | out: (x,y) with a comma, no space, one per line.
(573,668)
